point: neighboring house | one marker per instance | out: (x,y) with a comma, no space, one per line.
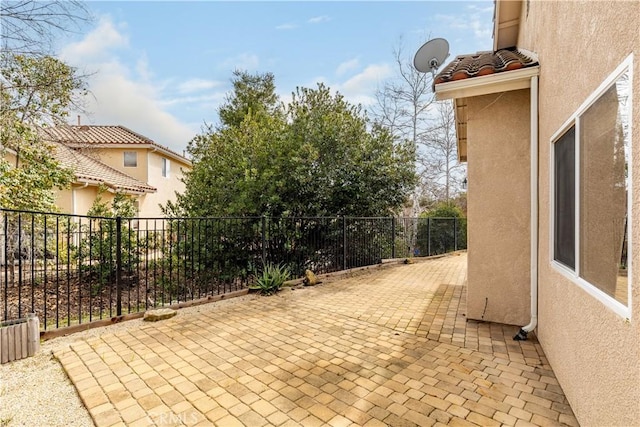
(546,122)
(90,176)
(120,160)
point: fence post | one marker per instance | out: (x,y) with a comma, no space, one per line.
(118,266)
(393,237)
(264,239)
(344,242)
(33,334)
(429,236)
(455,234)
(5,262)
(19,265)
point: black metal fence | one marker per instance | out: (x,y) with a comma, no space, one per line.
(72,269)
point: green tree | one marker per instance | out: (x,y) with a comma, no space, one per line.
(253,95)
(100,244)
(345,164)
(35,92)
(121,205)
(318,156)
(241,167)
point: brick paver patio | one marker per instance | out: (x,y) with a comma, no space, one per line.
(391,347)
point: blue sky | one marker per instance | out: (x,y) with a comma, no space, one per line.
(163,68)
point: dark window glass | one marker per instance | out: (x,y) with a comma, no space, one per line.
(564,215)
(130,159)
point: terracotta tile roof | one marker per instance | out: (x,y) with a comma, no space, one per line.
(484,63)
(88,169)
(83,135)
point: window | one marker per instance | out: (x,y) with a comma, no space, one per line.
(564,242)
(166,167)
(130,159)
(591,192)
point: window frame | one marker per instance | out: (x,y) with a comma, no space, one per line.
(124,159)
(165,167)
(626,66)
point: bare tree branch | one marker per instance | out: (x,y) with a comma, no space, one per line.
(406,106)
(30,27)
(442,150)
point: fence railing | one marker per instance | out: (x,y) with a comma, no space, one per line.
(71,269)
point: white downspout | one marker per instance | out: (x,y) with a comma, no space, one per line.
(153,150)
(522,335)
(74,207)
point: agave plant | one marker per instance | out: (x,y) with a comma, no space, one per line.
(271,278)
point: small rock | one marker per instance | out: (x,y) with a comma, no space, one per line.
(310,278)
(159,314)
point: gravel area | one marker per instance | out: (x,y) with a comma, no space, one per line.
(37,392)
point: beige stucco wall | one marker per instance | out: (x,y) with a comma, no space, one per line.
(78,199)
(86,196)
(167,186)
(594,352)
(64,200)
(499,208)
(114,157)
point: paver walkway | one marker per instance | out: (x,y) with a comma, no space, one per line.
(390,347)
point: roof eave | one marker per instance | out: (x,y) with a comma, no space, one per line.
(128,190)
(506,23)
(484,85)
(143,145)
(114,187)
(173,155)
(460,113)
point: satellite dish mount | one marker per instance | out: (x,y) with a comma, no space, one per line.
(431,56)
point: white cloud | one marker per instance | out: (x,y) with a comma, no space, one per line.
(97,43)
(359,88)
(318,19)
(123,101)
(347,66)
(481,30)
(127,93)
(476,21)
(454,21)
(486,9)
(197,85)
(244,61)
(287,26)
(199,99)
(142,68)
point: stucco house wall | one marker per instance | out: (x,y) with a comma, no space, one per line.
(167,186)
(114,157)
(595,353)
(499,207)
(86,196)
(78,199)
(64,200)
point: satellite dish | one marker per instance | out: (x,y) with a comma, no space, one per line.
(431,55)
